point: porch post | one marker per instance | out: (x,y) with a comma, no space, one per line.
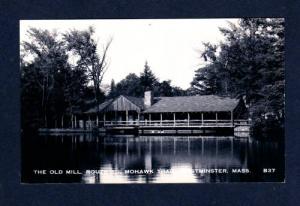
(138,118)
(216,117)
(126,117)
(231,117)
(90,123)
(75,124)
(174,116)
(188,119)
(72,123)
(84,122)
(202,118)
(160,119)
(149,118)
(104,119)
(62,121)
(97,120)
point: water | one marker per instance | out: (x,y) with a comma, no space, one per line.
(84,158)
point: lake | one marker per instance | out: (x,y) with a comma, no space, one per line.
(86,158)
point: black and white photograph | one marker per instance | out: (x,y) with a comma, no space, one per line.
(152,101)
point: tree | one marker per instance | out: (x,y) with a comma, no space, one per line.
(205,81)
(147,78)
(165,89)
(253,56)
(31,96)
(82,44)
(131,86)
(113,90)
(51,86)
(249,65)
(44,60)
(177,91)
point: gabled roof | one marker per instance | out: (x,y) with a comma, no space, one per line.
(120,103)
(205,103)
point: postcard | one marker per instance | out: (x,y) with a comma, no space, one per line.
(143,101)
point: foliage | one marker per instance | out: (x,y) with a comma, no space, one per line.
(44,74)
(82,44)
(52,88)
(133,85)
(61,75)
(113,90)
(248,64)
(147,78)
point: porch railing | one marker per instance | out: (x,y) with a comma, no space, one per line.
(171,123)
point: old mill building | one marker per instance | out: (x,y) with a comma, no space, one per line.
(165,111)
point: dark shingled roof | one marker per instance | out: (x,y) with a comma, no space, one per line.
(205,103)
(101,107)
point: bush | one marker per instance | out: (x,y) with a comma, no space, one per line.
(270,128)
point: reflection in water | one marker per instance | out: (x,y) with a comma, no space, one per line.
(150,159)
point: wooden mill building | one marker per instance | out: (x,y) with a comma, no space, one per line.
(184,111)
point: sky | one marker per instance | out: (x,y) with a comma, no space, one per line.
(170,46)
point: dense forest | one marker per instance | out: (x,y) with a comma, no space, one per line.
(248,64)
(62,73)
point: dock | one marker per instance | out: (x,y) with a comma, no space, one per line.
(196,127)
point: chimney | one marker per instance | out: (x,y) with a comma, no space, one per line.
(148,99)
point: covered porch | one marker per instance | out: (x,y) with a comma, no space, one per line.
(122,110)
(188,118)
